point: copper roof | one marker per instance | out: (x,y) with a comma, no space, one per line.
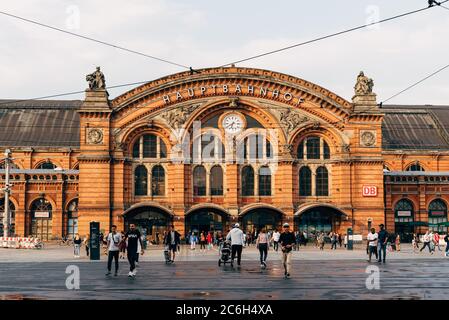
(413,127)
(55,123)
(39,123)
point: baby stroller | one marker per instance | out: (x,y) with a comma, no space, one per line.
(225,253)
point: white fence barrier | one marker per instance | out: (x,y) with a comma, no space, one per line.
(20,243)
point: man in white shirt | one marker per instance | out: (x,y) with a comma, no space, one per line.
(426,240)
(113,240)
(276,236)
(237,240)
(372,243)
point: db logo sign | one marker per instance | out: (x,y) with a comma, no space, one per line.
(369,191)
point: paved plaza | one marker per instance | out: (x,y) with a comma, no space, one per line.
(328,275)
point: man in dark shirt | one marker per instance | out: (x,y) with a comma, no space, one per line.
(133,236)
(172,241)
(287,241)
(382,243)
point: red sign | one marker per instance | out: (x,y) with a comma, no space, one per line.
(369,191)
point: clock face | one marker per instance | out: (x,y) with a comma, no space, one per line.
(233,123)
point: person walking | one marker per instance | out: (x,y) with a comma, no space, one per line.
(426,242)
(321,240)
(398,242)
(276,236)
(76,245)
(209,240)
(382,243)
(286,240)
(334,240)
(340,240)
(114,238)
(122,246)
(262,242)
(202,241)
(436,241)
(193,239)
(415,242)
(372,243)
(297,240)
(172,240)
(446,239)
(237,238)
(432,241)
(86,244)
(133,240)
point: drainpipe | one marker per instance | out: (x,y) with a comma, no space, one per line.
(350,196)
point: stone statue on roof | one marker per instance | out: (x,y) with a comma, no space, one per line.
(364,85)
(96,80)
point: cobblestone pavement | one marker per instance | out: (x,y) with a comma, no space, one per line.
(324,275)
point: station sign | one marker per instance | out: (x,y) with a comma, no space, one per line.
(369,191)
(42,214)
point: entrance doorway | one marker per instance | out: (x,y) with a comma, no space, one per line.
(258,218)
(152,222)
(318,219)
(41,219)
(205,220)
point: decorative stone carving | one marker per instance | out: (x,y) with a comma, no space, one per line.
(234,102)
(178,116)
(364,85)
(96,80)
(94,135)
(368,138)
(287,149)
(346,148)
(316,125)
(290,119)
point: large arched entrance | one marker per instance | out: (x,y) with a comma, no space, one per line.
(206,219)
(319,219)
(151,221)
(255,219)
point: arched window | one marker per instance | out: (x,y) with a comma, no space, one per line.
(41,219)
(12,210)
(46,165)
(72,218)
(247,181)
(140,181)
(264,181)
(305,182)
(199,181)
(208,148)
(149,146)
(403,219)
(415,167)
(437,215)
(326,150)
(216,181)
(255,146)
(322,183)
(313,148)
(158,181)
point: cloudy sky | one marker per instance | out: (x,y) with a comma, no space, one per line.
(37,62)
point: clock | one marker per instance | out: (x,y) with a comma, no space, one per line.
(233,123)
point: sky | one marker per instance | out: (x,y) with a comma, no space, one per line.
(37,62)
